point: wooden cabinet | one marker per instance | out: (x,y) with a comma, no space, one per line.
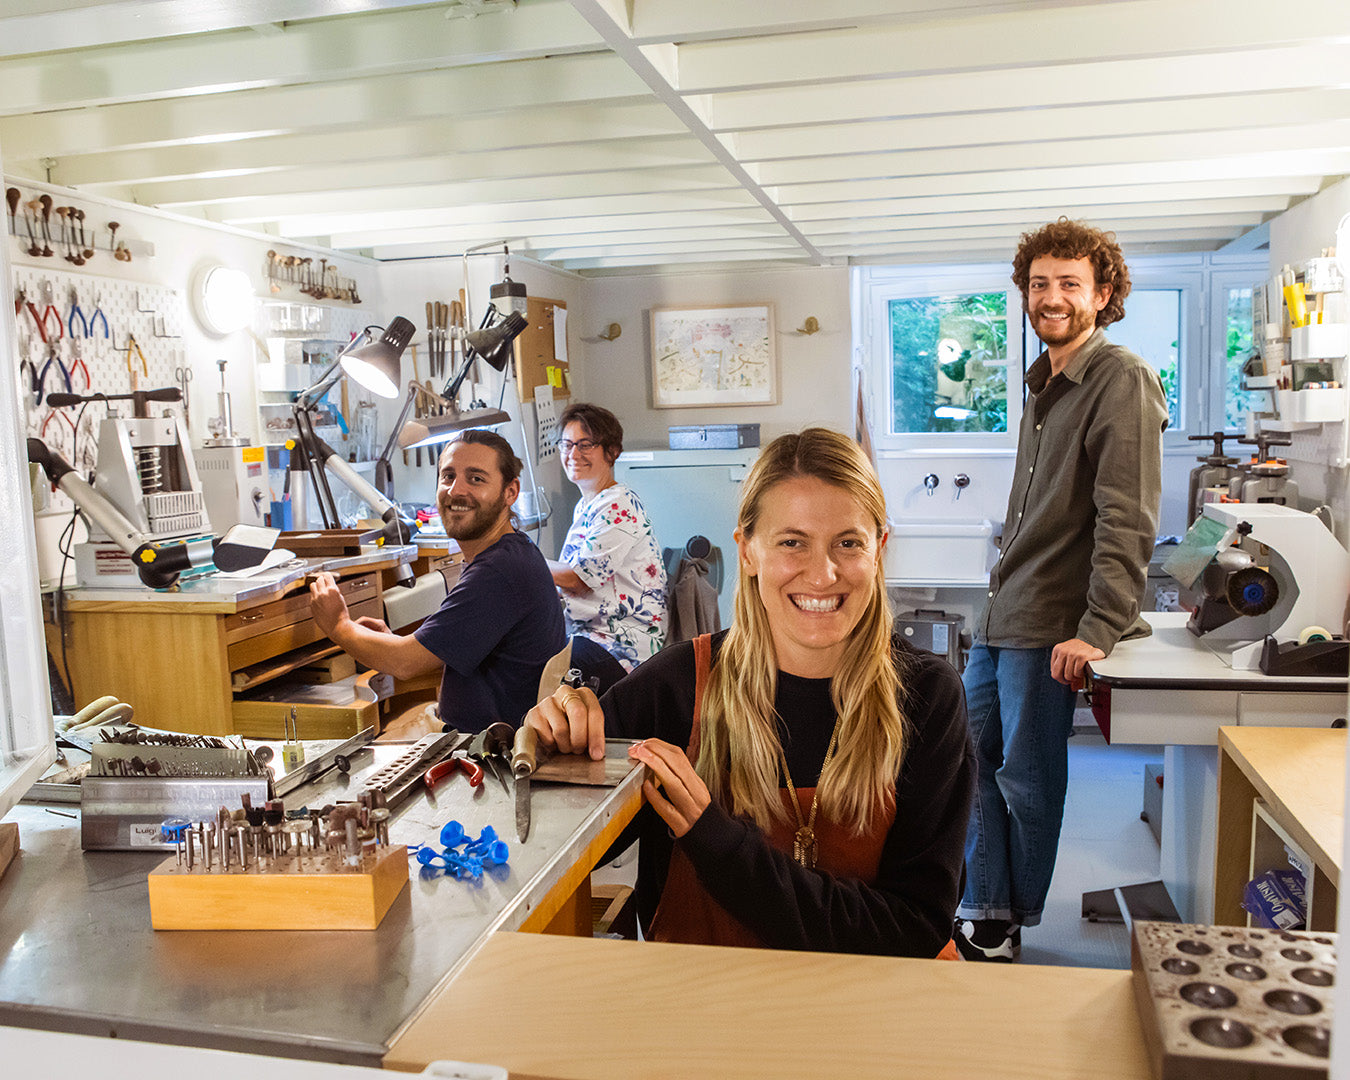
(1280,788)
(212,666)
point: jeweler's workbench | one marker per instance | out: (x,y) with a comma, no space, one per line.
(78,954)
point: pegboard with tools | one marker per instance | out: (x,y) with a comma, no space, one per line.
(82,334)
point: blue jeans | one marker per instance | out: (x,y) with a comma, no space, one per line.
(1020,721)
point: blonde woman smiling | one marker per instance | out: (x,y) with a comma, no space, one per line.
(810,773)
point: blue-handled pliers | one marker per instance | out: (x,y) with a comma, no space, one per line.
(53,355)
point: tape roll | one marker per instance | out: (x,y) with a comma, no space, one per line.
(1313,633)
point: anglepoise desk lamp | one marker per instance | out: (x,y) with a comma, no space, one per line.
(493,344)
(373,364)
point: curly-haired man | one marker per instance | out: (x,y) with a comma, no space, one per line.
(1081,524)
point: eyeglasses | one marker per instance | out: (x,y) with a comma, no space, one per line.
(566,446)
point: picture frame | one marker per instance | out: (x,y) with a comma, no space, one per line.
(715,355)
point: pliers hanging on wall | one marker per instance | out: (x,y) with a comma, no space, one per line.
(53,356)
(48,312)
(76,314)
(131,371)
(98,317)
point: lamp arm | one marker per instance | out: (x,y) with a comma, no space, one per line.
(158,564)
(397,529)
(384,473)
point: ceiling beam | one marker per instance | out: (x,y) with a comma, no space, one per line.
(604,23)
(1090,82)
(1003,40)
(1233,113)
(350,104)
(328,50)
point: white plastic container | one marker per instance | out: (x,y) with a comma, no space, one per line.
(1319,341)
(936,553)
(1313,406)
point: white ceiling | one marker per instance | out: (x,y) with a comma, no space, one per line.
(599,135)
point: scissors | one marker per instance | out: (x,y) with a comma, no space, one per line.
(183,375)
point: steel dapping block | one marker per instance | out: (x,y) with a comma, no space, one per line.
(1230,1001)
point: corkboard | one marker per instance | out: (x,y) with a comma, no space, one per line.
(536,364)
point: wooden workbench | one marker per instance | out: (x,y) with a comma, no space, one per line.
(188,660)
(622,1010)
(1299,775)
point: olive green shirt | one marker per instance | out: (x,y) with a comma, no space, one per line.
(1083,511)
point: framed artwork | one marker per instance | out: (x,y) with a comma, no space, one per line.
(713,356)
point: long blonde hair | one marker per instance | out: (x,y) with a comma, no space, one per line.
(739,748)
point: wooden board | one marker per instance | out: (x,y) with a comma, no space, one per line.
(313,542)
(280,900)
(626,1010)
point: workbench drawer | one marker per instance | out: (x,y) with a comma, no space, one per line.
(292,609)
(335,710)
(290,636)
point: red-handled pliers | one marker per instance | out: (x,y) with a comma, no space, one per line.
(457,760)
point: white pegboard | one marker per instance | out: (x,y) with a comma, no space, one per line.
(153,314)
(1323,445)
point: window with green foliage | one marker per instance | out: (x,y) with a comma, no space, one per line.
(949,363)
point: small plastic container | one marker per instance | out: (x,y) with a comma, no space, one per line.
(1312,406)
(1319,341)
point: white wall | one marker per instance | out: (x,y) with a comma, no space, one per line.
(1297,235)
(182,246)
(813,369)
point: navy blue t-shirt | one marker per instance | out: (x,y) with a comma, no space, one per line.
(495,631)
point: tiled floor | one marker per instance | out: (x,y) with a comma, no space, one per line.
(1104,843)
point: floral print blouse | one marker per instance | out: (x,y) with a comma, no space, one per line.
(611,547)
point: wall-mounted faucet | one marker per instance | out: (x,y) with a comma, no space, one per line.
(930,482)
(962,481)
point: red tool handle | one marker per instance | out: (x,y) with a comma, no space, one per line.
(442,769)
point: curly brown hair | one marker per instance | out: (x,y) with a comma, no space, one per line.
(1065,239)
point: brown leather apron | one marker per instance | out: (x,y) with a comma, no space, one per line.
(687,912)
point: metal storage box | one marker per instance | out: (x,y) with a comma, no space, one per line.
(714,436)
(935,631)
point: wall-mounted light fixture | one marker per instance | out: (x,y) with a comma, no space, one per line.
(222,299)
(612,332)
(811,325)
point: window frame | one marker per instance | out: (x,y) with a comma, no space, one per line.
(878,287)
(1203,280)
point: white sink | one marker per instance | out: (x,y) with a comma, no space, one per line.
(940,552)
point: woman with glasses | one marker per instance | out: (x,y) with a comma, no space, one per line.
(808,773)
(610,571)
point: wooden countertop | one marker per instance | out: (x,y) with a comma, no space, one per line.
(1300,773)
(554,1007)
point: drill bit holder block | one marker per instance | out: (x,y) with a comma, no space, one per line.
(305,891)
(266,870)
(1219,1001)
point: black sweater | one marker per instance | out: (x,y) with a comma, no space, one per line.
(908,909)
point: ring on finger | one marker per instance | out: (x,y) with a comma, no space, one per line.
(568,698)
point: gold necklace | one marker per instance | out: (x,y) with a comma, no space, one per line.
(804,840)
